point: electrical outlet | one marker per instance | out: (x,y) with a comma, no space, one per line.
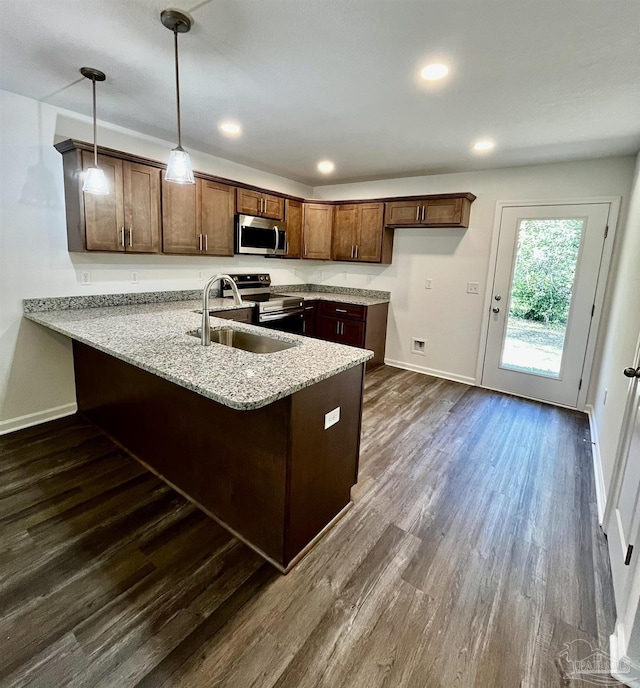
(85,278)
(427,283)
(201,275)
(134,277)
(418,346)
(331,418)
(473,287)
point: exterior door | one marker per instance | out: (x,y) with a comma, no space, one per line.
(623,523)
(545,281)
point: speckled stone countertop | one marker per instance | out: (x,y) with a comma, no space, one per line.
(319,292)
(154,337)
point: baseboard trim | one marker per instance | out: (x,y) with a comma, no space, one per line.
(622,667)
(598,474)
(27,421)
(430,371)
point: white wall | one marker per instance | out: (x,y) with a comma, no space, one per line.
(446,315)
(618,343)
(36,374)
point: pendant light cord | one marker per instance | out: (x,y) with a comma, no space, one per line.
(175,43)
(95,128)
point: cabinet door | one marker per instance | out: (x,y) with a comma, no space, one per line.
(309,319)
(370,230)
(248,202)
(179,218)
(351,333)
(104,215)
(294,228)
(345,231)
(215,216)
(141,207)
(400,213)
(443,213)
(328,328)
(316,231)
(272,207)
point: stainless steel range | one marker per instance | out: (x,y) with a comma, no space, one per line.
(276,311)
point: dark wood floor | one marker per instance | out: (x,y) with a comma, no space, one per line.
(467,560)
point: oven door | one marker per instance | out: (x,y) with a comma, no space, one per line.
(259,237)
(284,321)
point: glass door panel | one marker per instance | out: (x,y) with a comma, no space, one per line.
(541,295)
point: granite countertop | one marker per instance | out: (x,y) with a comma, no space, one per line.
(154,337)
(353,299)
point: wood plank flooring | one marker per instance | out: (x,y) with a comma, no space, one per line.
(471,557)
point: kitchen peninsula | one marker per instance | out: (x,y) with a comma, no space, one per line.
(266,444)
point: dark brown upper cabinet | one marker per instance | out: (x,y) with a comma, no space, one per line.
(198,218)
(293,213)
(125,220)
(445,210)
(317,224)
(359,234)
(259,204)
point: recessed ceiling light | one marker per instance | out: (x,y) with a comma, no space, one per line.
(484,146)
(433,72)
(326,167)
(230,128)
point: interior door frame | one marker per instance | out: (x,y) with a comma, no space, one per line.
(605,263)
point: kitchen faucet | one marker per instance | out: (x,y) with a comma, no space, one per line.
(205,338)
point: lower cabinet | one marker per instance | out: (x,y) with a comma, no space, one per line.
(309,319)
(353,325)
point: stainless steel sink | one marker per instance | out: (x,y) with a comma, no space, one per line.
(247,341)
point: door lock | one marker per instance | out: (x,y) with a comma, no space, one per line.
(495,310)
(497,297)
(632,372)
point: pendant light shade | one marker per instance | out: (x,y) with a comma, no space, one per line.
(179,168)
(94,181)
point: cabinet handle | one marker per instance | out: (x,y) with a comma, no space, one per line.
(340,310)
(122,230)
(130,237)
(305,249)
(200,242)
(337,327)
(417,213)
(356,251)
(206,242)
(341,328)
(424,212)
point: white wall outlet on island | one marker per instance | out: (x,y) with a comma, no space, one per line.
(369,279)
(85,277)
(135,278)
(331,418)
(427,283)
(473,287)
(201,275)
(419,346)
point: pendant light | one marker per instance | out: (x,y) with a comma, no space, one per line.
(94,181)
(179,168)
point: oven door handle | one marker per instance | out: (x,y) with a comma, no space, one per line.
(280,315)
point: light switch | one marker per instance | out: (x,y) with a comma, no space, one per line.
(331,418)
(427,283)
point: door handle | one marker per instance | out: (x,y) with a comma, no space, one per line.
(495,310)
(497,297)
(632,372)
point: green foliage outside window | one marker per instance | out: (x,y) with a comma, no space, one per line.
(545,269)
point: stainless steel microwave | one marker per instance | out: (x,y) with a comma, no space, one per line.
(260,237)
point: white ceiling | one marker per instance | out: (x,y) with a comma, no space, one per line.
(313,79)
